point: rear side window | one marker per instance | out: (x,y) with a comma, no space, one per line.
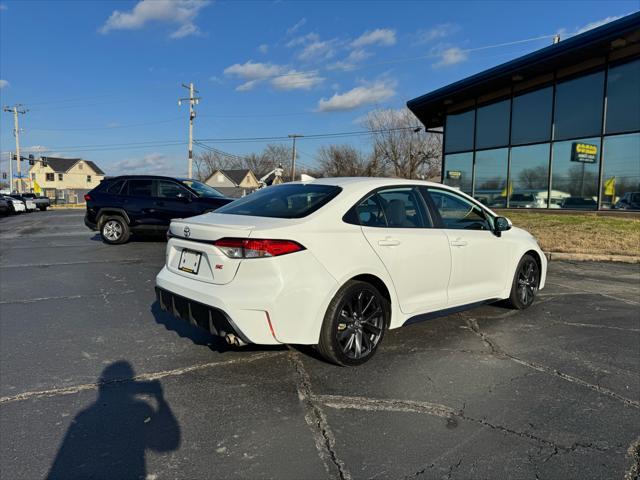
(393,208)
(283,201)
(115,187)
(140,188)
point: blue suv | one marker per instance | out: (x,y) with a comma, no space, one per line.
(123,205)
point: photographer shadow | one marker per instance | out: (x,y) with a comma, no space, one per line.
(109,438)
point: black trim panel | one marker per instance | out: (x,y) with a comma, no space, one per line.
(209,318)
(447,311)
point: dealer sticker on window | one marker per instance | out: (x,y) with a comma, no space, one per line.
(189,261)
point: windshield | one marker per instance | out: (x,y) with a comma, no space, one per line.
(202,189)
(283,201)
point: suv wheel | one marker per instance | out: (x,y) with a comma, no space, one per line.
(114,230)
(354,324)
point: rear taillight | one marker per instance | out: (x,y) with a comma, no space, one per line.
(87,197)
(256,248)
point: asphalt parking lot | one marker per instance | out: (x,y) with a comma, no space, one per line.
(97,382)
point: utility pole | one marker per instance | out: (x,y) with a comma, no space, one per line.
(16,109)
(293,156)
(192,114)
(10,172)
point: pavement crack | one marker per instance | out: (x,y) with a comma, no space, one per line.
(442,411)
(53,392)
(317,421)
(499,352)
(102,295)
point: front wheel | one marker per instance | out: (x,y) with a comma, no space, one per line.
(525,283)
(354,324)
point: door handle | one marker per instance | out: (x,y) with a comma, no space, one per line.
(458,242)
(389,242)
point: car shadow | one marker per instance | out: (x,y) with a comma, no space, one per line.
(110,437)
(199,336)
(138,238)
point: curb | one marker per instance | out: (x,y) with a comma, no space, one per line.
(68,206)
(589,257)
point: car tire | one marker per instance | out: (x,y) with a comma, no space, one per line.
(354,324)
(43,209)
(114,230)
(525,283)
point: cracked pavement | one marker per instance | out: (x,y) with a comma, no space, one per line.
(96,381)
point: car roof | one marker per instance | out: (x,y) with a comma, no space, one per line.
(372,182)
(142,177)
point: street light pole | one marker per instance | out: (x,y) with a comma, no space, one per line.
(293,155)
(192,114)
(16,133)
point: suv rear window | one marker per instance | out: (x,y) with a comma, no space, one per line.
(283,201)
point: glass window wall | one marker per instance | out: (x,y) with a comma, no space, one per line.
(491,177)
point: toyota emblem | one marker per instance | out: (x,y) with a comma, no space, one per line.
(187,232)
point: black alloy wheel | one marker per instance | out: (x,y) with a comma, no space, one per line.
(354,324)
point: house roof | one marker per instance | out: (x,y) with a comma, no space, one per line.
(62,165)
(431,107)
(236,176)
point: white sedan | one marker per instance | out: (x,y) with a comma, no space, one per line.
(336,262)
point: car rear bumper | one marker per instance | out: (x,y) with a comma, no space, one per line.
(198,314)
(91,225)
(268,302)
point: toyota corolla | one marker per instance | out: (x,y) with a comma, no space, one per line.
(336,262)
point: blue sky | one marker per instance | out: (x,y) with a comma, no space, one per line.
(97,75)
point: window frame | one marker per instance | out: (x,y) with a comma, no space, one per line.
(435,213)
(351,216)
(49,177)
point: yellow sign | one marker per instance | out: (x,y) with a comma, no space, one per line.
(507,191)
(584,152)
(36,188)
(610,186)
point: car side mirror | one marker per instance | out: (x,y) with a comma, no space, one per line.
(501,224)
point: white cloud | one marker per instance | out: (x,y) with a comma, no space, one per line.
(214,79)
(597,23)
(253,70)
(294,28)
(153,163)
(439,31)
(35,149)
(245,87)
(308,38)
(357,97)
(294,80)
(185,30)
(450,56)
(264,48)
(315,50)
(3,83)
(180,12)
(379,36)
(349,63)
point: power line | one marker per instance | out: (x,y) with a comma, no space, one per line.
(113,127)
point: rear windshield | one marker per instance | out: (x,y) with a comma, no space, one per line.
(202,189)
(282,201)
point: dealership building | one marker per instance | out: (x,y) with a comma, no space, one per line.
(557,128)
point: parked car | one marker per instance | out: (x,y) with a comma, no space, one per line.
(579,203)
(336,262)
(128,204)
(5,208)
(629,201)
(41,202)
(30,205)
(15,205)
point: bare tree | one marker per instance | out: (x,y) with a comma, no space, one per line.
(347,161)
(205,163)
(399,143)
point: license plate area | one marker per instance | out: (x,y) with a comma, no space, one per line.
(190,261)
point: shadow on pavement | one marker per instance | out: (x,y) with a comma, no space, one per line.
(138,238)
(109,438)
